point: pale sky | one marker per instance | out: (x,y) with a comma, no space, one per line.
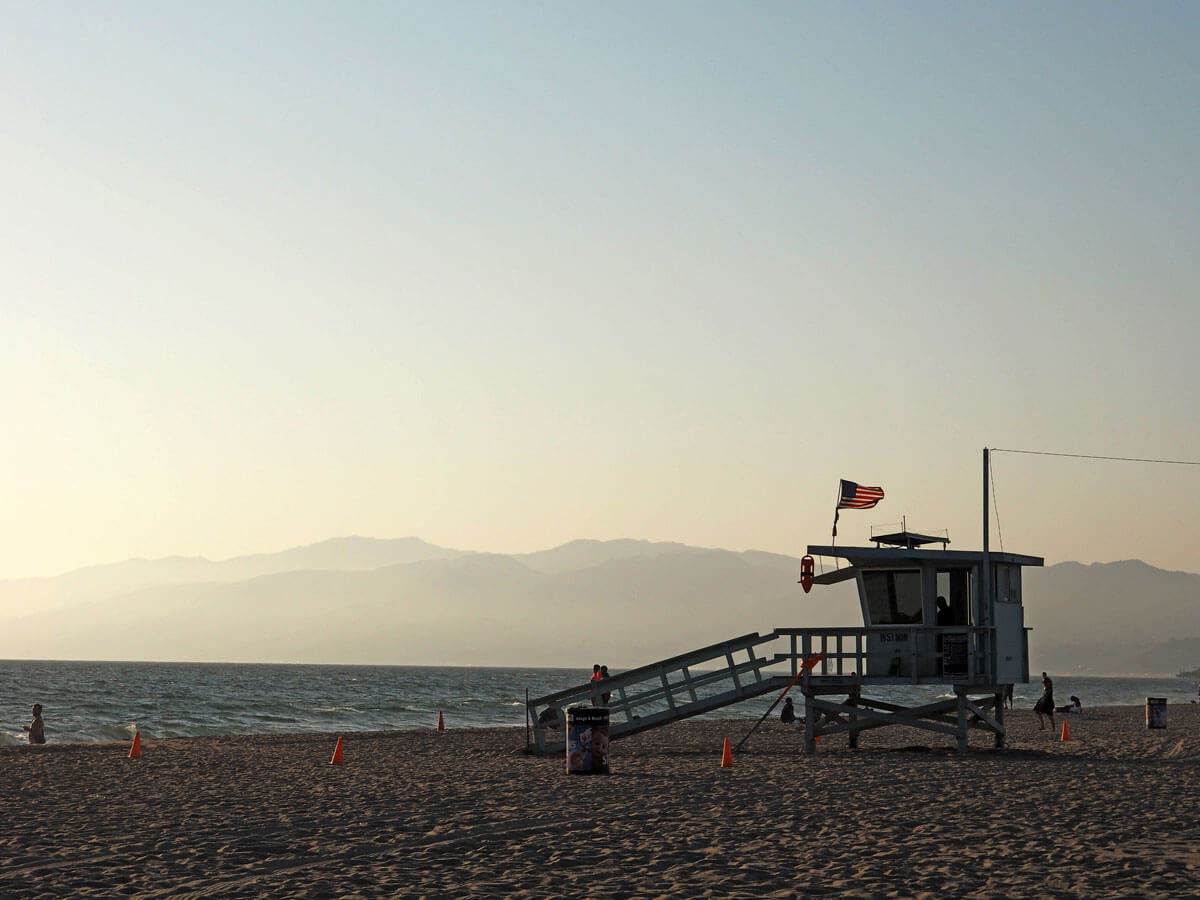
(506,275)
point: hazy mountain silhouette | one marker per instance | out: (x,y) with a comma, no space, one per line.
(361,600)
(28,595)
(582,554)
(1113,618)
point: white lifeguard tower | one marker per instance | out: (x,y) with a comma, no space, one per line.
(930,616)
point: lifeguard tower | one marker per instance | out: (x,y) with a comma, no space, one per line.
(930,617)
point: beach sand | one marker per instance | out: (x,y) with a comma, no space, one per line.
(1111,813)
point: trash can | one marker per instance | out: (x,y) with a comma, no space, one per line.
(587,740)
(1156,712)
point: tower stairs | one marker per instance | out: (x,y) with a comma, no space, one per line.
(670,690)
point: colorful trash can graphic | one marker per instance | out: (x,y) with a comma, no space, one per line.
(587,740)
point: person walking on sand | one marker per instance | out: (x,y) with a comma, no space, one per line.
(36,728)
(1045,704)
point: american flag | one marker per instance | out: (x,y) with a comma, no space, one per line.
(858,496)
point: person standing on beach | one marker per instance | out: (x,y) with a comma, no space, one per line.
(595,677)
(36,728)
(607,695)
(1045,704)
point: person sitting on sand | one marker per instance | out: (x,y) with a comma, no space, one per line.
(1045,704)
(788,714)
(36,728)
(1073,707)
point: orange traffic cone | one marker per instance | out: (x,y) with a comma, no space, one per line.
(441,723)
(135,752)
(1066,732)
(726,756)
(337,754)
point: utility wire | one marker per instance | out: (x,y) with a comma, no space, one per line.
(1167,462)
(996,506)
(992,471)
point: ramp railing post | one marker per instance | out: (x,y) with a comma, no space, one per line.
(666,683)
(687,679)
(737,682)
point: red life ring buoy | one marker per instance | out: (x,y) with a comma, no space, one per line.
(806,573)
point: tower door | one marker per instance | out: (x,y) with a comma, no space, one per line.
(1010,643)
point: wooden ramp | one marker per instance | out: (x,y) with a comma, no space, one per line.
(706,679)
(666,691)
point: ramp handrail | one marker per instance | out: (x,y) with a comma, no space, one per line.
(662,692)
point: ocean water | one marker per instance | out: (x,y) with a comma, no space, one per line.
(109,701)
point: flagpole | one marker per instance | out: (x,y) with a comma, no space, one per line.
(836,504)
(986,566)
(985,504)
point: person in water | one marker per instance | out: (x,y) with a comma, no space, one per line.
(36,728)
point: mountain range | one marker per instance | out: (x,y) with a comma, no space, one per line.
(625,602)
